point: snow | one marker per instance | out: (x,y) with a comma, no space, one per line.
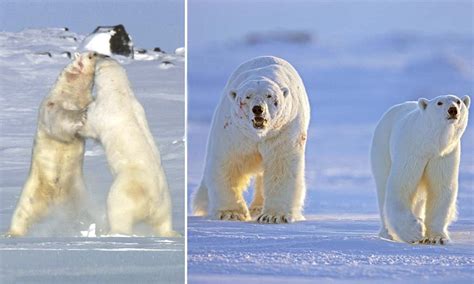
(351,83)
(99,41)
(56,250)
(180,51)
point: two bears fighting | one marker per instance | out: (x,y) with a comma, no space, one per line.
(67,116)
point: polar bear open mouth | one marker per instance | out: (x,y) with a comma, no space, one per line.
(259,122)
(452,117)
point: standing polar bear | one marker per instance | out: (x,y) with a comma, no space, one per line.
(140,190)
(415,158)
(259,130)
(56,173)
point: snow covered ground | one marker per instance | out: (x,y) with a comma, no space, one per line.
(55,252)
(351,83)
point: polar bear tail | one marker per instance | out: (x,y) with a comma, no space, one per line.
(200,201)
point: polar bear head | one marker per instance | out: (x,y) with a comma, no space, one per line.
(260,105)
(448,116)
(446,109)
(82,64)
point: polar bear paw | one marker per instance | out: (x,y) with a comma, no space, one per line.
(269,218)
(436,239)
(411,231)
(384,234)
(255,210)
(12,234)
(79,119)
(170,234)
(232,215)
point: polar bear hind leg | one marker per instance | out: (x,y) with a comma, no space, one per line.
(126,198)
(442,175)
(257,203)
(200,201)
(129,203)
(160,220)
(381,169)
(33,205)
(381,164)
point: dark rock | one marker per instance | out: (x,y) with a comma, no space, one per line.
(67,53)
(44,53)
(120,42)
(140,51)
(157,49)
(69,37)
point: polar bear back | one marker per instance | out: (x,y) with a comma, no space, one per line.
(112,76)
(394,115)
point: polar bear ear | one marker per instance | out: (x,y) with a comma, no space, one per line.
(285,91)
(232,94)
(423,103)
(467,101)
(77,55)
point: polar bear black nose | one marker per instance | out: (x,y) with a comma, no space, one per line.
(453,111)
(257,110)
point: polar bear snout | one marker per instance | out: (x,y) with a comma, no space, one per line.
(453,112)
(259,121)
(257,110)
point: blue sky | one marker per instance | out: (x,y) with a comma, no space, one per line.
(151,23)
(214,20)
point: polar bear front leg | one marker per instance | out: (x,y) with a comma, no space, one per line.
(284,186)
(442,175)
(31,207)
(61,123)
(402,184)
(226,186)
(87,130)
(257,203)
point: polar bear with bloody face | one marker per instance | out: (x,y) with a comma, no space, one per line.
(259,131)
(56,175)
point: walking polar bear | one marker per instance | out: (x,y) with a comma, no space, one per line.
(56,175)
(140,190)
(259,130)
(415,158)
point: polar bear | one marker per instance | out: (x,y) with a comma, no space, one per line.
(415,157)
(56,165)
(140,190)
(259,130)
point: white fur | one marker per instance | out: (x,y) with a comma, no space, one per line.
(415,162)
(140,190)
(274,155)
(56,165)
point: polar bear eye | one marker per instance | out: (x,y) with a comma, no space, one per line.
(440,103)
(269,96)
(458,102)
(247,97)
